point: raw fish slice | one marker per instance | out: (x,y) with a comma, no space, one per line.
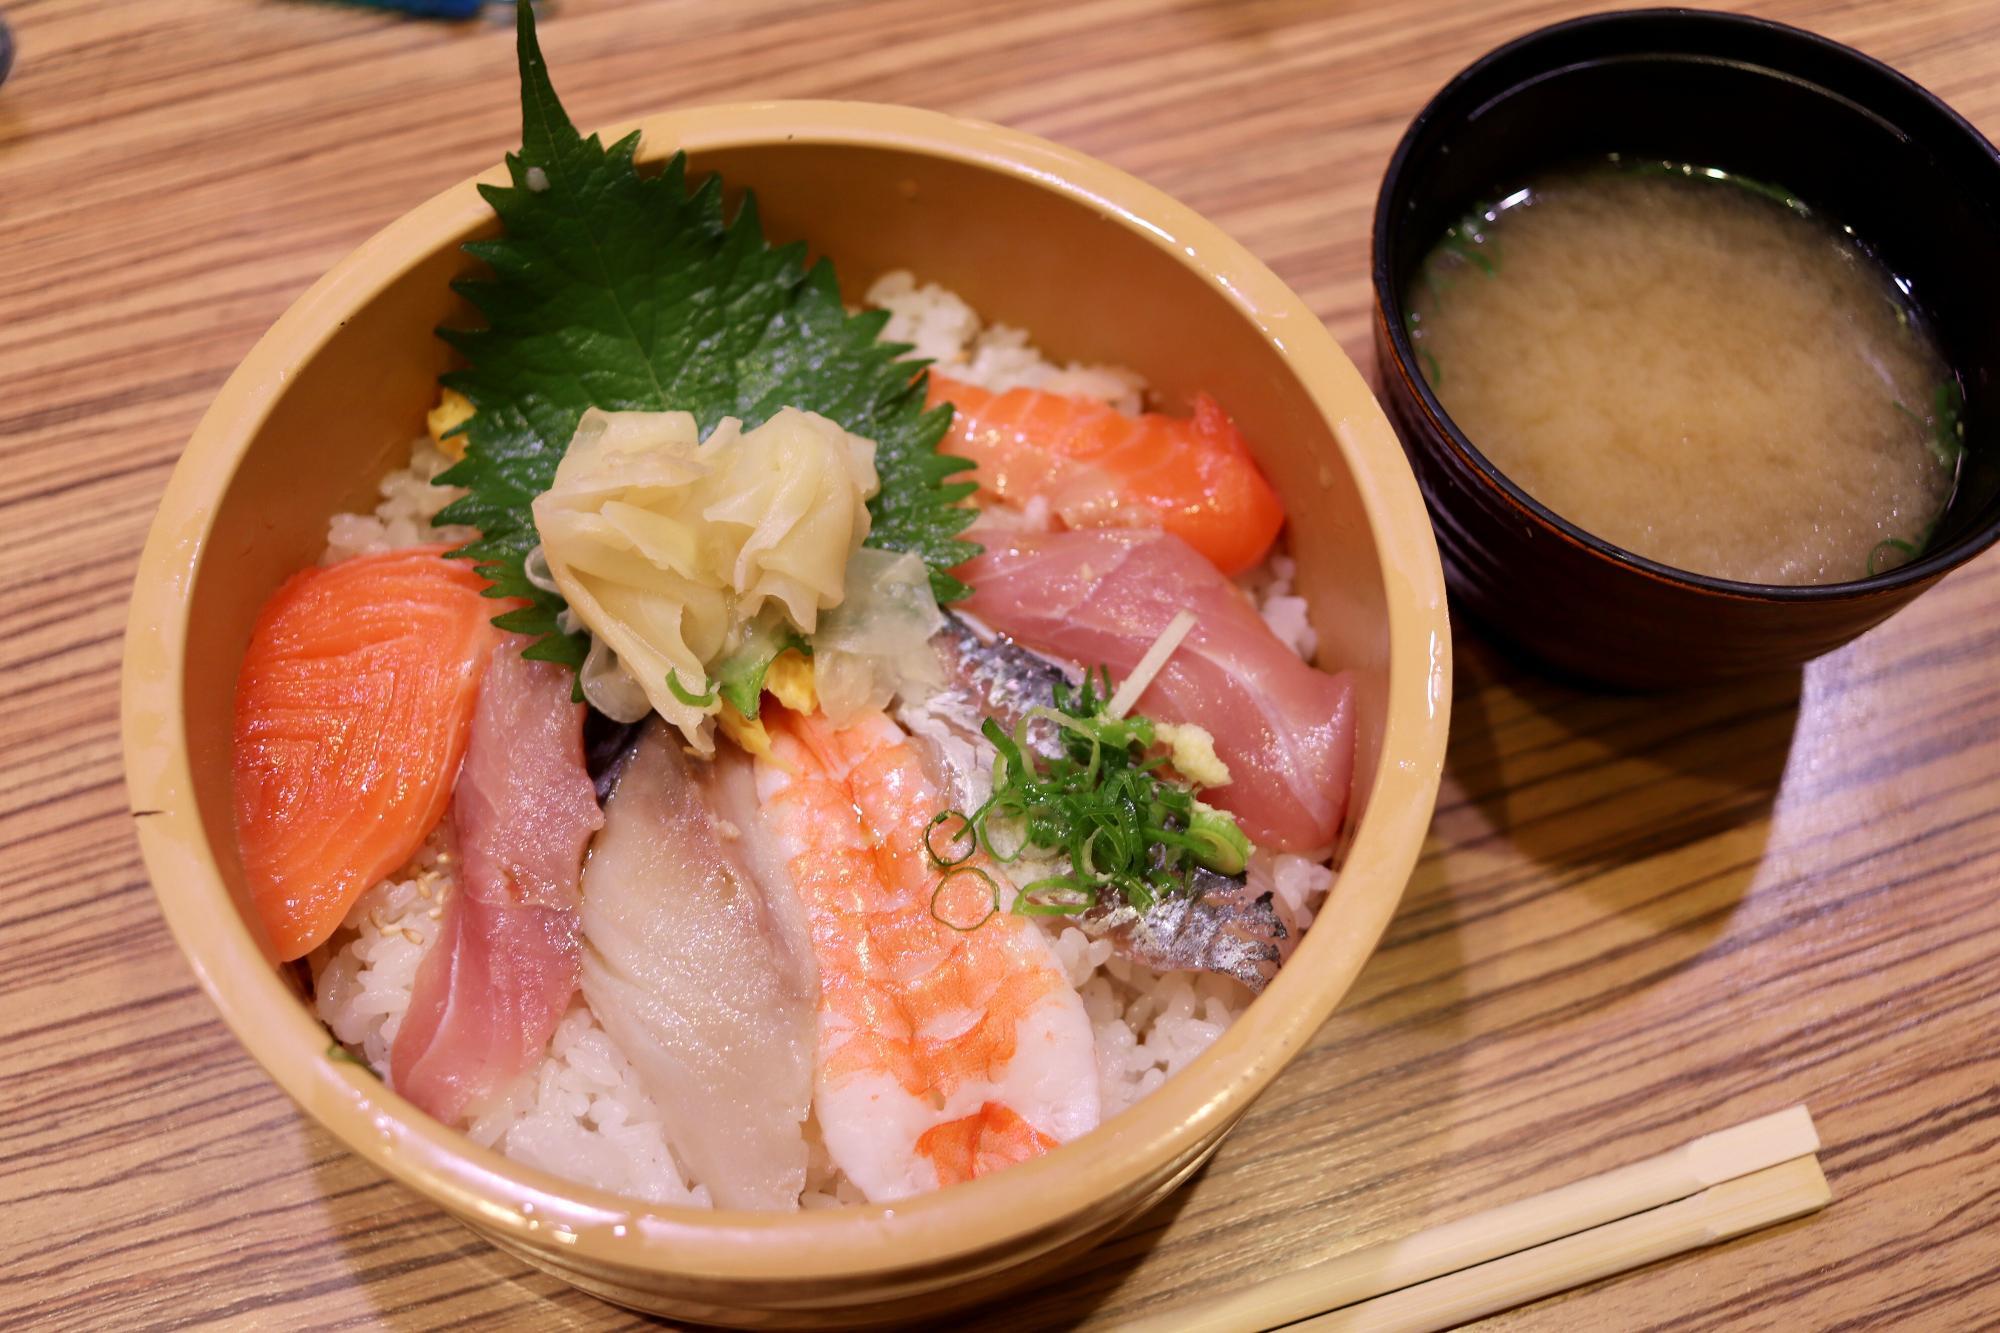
(487,997)
(1285,729)
(698,962)
(1220,925)
(352,710)
(943,1053)
(998,679)
(1101,468)
(490,991)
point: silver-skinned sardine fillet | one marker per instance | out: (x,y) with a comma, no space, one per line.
(1224,926)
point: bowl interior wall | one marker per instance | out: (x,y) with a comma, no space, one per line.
(1020,253)
(1766,104)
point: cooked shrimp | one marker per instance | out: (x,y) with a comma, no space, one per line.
(1101,468)
(944,1053)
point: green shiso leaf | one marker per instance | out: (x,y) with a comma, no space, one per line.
(613,290)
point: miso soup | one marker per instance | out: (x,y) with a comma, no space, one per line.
(1695,368)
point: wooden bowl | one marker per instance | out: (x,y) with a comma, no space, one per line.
(1098,266)
(1847,134)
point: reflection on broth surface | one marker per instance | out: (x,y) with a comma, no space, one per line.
(1695,368)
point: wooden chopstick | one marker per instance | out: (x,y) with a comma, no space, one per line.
(1761,1199)
(1474,1242)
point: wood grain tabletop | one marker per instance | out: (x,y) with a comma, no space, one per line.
(1636,919)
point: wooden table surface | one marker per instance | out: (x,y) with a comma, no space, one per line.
(1635,920)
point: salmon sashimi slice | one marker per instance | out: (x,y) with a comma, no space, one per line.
(698,961)
(352,709)
(1284,728)
(490,991)
(1098,467)
(943,1052)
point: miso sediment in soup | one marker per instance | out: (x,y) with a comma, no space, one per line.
(1694,368)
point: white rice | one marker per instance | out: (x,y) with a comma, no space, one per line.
(403,518)
(949,333)
(362,978)
(581,1113)
(1270,588)
(1147,1025)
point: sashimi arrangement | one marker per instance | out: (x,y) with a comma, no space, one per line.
(761,754)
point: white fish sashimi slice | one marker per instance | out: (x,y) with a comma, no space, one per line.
(698,962)
(943,1053)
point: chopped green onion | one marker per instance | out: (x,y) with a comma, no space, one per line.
(341,1055)
(1127,831)
(1947,439)
(1056,895)
(964,834)
(740,675)
(1944,430)
(1432,370)
(955,872)
(1223,846)
(1875,565)
(691,700)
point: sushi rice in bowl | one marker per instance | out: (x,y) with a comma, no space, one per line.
(575,1159)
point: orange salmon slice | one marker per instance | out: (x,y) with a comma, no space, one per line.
(352,711)
(1097,467)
